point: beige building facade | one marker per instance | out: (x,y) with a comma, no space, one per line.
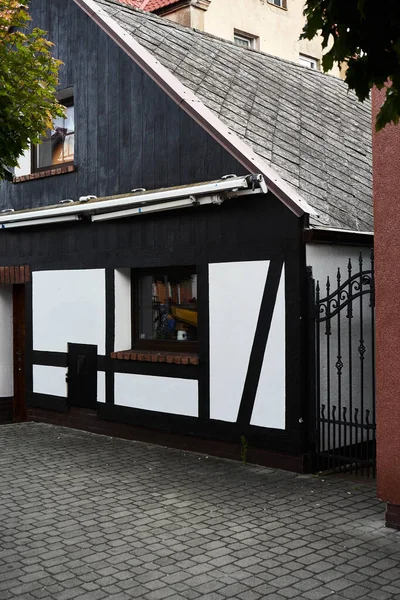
(272,26)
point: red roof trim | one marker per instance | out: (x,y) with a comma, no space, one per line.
(149,5)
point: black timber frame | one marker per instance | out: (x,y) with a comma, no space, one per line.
(260,228)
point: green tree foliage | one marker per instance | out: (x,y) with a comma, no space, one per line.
(28,82)
(365,34)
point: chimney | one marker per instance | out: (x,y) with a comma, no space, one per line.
(189,13)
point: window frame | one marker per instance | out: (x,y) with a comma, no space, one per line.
(189,347)
(283,4)
(248,37)
(68,101)
(311,59)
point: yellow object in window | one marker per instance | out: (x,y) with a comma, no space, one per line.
(185,314)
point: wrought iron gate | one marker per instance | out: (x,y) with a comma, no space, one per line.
(344,321)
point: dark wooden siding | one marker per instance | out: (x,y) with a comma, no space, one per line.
(250,228)
(129,133)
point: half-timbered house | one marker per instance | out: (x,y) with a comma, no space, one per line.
(154,249)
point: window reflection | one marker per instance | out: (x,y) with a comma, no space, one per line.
(168,307)
(58,146)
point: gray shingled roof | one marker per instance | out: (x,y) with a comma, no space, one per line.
(306,125)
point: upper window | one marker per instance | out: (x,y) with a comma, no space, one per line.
(309,61)
(165,311)
(280,3)
(57,147)
(245,40)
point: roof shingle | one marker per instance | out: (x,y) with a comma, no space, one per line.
(311,130)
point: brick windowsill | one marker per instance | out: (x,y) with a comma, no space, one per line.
(154,356)
(48,173)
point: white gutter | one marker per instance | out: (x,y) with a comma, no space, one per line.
(39,222)
(226,185)
(338,230)
(193,106)
(173,205)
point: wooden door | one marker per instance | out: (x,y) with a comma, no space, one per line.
(19,332)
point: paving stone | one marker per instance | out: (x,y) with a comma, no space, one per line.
(379,595)
(316,594)
(307,584)
(356,591)
(87,517)
(69,594)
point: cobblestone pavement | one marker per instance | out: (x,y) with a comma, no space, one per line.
(91,517)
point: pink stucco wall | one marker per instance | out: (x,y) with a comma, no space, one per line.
(386,171)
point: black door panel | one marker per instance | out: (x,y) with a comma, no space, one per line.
(82,375)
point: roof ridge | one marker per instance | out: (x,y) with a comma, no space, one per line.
(168,23)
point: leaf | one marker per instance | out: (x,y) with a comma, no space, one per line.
(366,36)
(28,83)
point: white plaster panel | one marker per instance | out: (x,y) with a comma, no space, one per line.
(101,386)
(161,394)
(6,342)
(270,403)
(49,380)
(24,164)
(235,291)
(123,312)
(68,306)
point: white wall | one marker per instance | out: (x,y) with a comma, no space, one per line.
(49,380)
(235,291)
(326,258)
(278,30)
(24,166)
(123,311)
(6,342)
(161,394)
(270,404)
(68,306)
(101,386)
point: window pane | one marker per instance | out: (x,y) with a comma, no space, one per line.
(69,148)
(308,61)
(168,307)
(57,141)
(58,145)
(66,123)
(63,147)
(69,123)
(242,41)
(44,153)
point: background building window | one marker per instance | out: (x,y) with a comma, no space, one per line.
(166,309)
(280,3)
(57,147)
(309,61)
(246,40)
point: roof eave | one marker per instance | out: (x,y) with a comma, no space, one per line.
(334,235)
(195,108)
